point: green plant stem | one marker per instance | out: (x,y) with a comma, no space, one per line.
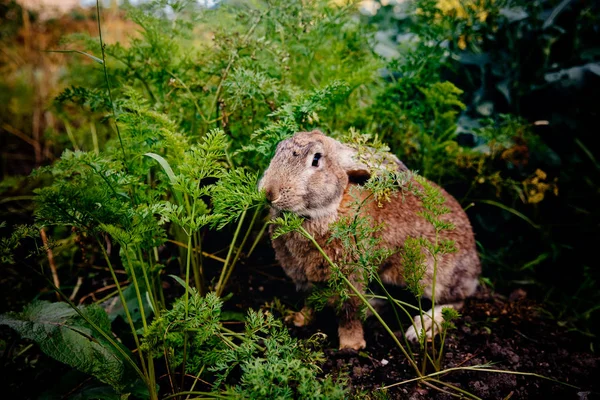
(192,240)
(108,296)
(185,343)
(424,347)
(156,285)
(114,110)
(198,267)
(401,303)
(187,285)
(161,293)
(151,377)
(189,259)
(195,381)
(187,274)
(170,373)
(362,298)
(241,246)
(104,178)
(221,282)
(212,395)
(242,337)
(227,341)
(510,210)
(137,290)
(187,299)
(20,353)
(149,287)
(125,307)
(258,237)
(443,335)
(434,254)
(480,368)
(456,388)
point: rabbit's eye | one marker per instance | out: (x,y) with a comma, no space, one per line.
(316,158)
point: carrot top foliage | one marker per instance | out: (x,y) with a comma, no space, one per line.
(159,139)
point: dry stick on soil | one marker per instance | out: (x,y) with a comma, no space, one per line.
(50,261)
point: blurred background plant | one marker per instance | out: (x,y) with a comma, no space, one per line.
(151,145)
(513,137)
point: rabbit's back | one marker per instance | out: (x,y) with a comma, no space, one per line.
(457,272)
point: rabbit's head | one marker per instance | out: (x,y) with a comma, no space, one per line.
(309,173)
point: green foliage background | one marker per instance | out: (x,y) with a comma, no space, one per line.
(158,148)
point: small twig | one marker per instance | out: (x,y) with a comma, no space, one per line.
(526,337)
(102,289)
(50,260)
(271,277)
(204,253)
(14,131)
(468,358)
(196,379)
(76,288)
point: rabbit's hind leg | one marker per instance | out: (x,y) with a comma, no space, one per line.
(425,325)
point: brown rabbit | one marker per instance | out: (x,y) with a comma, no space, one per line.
(311,175)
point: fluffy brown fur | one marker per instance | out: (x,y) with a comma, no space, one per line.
(321,193)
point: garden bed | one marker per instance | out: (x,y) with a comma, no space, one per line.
(507,331)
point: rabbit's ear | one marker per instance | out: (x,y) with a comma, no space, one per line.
(358,172)
(360,168)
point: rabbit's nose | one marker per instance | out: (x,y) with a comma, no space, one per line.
(270,194)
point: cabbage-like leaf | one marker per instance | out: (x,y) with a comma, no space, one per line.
(65,336)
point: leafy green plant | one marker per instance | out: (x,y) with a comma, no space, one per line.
(74,336)
(272,364)
(187,131)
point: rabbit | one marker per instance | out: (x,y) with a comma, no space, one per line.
(311,175)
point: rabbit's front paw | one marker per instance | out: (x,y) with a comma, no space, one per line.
(300,318)
(352,336)
(354,343)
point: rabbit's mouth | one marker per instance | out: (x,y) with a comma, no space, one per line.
(280,204)
(308,213)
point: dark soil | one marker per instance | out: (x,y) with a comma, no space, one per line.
(508,332)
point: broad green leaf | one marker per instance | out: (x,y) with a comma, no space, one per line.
(63,335)
(163,163)
(182,283)
(168,170)
(132,304)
